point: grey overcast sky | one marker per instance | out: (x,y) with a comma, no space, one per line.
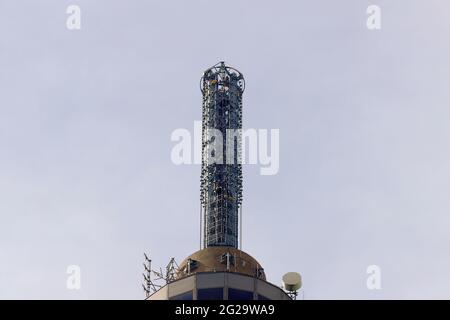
(86,117)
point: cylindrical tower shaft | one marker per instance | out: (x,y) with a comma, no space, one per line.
(221,175)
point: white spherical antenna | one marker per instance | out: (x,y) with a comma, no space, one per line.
(292,281)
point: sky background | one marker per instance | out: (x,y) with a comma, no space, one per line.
(86,117)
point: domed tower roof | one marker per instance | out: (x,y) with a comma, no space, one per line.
(221,259)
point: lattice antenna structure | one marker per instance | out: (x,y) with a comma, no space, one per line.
(221,174)
(171,271)
(160,278)
(148,285)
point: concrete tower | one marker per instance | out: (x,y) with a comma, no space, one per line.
(220,270)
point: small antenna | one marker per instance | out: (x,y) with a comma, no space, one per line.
(200,228)
(189,262)
(149,285)
(240,228)
(147,280)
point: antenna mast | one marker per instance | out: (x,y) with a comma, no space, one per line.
(221,176)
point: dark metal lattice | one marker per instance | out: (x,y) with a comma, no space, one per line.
(221,175)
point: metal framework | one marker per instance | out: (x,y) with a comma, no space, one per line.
(160,278)
(221,174)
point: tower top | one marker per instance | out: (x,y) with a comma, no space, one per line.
(222,70)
